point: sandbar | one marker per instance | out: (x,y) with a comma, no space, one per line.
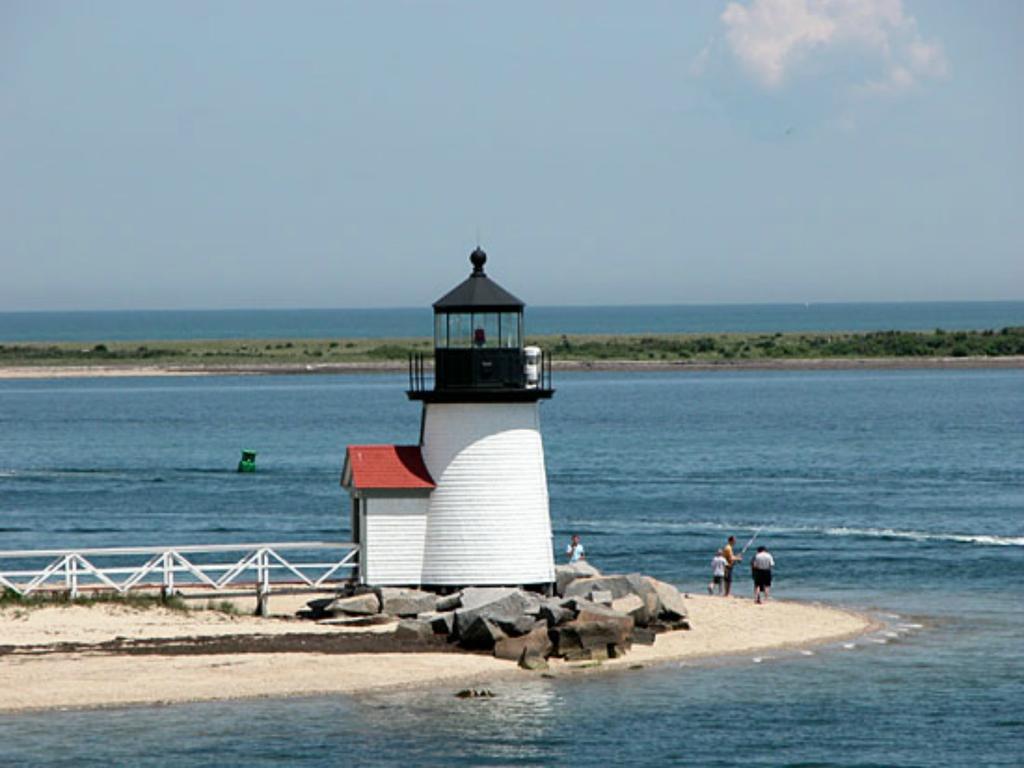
(110,655)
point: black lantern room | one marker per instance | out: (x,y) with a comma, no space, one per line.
(479,355)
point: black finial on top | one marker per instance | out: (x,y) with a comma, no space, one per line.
(478,258)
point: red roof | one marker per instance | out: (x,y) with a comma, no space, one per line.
(388,466)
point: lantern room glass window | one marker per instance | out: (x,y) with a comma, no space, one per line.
(478,330)
(511,331)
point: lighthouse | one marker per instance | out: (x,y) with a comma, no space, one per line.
(468,505)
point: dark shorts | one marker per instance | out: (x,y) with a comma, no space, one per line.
(717,579)
(762,578)
(728,574)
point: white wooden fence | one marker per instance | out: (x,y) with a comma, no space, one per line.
(252,566)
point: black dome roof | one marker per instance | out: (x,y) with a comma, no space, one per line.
(478,292)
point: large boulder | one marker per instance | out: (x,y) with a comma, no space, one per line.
(566,574)
(670,603)
(441,622)
(634,606)
(414,631)
(448,602)
(406,602)
(499,605)
(619,586)
(356,605)
(582,639)
(646,592)
(534,643)
(555,611)
(481,635)
(587,611)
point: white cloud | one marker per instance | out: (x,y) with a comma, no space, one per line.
(771,37)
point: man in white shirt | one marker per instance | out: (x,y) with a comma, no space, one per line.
(575,550)
(761,569)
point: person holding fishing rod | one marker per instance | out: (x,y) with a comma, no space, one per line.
(730,560)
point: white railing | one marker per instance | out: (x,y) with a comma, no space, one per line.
(72,570)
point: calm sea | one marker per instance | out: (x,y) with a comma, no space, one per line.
(897,492)
(381,323)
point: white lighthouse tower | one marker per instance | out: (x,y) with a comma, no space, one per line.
(469,504)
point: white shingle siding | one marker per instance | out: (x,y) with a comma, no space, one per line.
(488,520)
(395,528)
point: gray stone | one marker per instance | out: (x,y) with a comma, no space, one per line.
(594,612)
(414,630)
(643,588)
(642,636)
(442,622)
(565,574)
(357,605)
(496,604)
(520,625)
(480,635)
(406,602)
(555,612)
(535,642)
(632,605)
(448,602)
(618,585)
(670,603)
(582,639)
(601,596)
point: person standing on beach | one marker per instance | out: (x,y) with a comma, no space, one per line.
(731,558)
(761,569)
(575,550)
(718,566)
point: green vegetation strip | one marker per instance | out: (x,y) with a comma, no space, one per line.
(583,348)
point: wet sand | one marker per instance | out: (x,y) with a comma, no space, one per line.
(104,655)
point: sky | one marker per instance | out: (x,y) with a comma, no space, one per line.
(285,155)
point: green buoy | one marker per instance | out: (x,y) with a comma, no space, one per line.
(247,462)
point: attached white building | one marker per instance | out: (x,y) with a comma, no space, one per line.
(469,504)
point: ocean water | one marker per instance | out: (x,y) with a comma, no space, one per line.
(406,322)
(895,492)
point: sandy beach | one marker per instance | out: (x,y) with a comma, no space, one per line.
(59,657)
(823,364)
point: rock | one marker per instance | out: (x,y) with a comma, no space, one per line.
(642,636)
(555,612)
(566,574)
(632,605)
(357,605)
(594,612)
(670,603)
(441,622)
(480,635)
(533,663)
(618,585)
(415,631)
(448,602)
(406,602)
(475,693)
(496,604)
(520,625)
(601,596)
(535,642)
(591,639)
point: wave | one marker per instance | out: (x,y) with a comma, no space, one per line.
(960,538)
(595,527)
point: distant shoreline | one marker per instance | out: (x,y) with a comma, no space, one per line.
(633,366)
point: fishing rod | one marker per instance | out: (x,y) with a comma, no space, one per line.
(747,545)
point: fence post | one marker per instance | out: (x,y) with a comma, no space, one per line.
(167,590)
(71,576)
(262,584)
